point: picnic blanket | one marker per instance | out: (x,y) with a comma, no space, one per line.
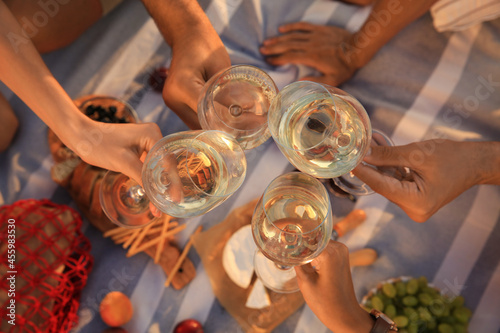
(421,85)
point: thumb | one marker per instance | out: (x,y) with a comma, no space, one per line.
(390,155)
(306,273)
(389,187)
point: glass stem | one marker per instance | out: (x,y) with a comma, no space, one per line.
(283,267)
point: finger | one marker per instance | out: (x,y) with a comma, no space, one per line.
(284,46)
(400,156)
(306,273)
(391,188)
(155,211)
(288,38)
(134,169)
(297,26)
(292,57)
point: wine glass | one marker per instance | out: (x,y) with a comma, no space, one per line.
(185,174)
(189,173)
(291,225)
(124,202)
(353,185)
(322,130)
(236,100)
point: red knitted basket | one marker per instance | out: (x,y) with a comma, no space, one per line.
(51,266)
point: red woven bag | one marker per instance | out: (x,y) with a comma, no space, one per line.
(44,264)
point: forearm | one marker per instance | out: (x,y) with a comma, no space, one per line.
(176,18)
(24,72)
(387,18)
(488,161)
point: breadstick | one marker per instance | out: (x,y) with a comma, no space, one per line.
(155,241)
(118,231)
(162,239)
(131,239)
(139,238)
(181,257)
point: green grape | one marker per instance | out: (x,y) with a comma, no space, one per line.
(462,314)
(413,328)
(422,282)
(386,300)
(390,311)
(425,299)
(366,307)
(389,290)
(401,288)
(445,328)
(432,324)
(377,303)
(424,314)
(448,320)
(438,307)
(411,313)
(410,300)
(412,287)
(401,321)
(459,328)
(457,302)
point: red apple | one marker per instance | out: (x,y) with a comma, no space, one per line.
(188,326)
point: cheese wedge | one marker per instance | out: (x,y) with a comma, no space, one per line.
(237,257)
(258,297)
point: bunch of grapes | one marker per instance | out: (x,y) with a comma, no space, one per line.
(417,307)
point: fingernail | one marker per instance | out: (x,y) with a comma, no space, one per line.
(369,152)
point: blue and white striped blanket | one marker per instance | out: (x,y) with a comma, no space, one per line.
(421,85)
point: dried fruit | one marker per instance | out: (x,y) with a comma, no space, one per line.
(157,78)
(116,309)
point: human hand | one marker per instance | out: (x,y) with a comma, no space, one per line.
(440,171)
(196,57)
(318,46)
(328,291)
(116,147)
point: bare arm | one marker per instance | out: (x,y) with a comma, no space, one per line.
(440,171)
(197,53)
(387,18)
(335,52)
(24,72)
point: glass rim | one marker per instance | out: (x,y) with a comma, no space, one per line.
(277,138)
(188,147)
(323,190)
(133,112)
(224,71)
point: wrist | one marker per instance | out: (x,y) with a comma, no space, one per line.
(488,162)
(357,321)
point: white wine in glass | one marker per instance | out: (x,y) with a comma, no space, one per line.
(322,130)
(236,100)
(353,185)
(189,173)
(291,225)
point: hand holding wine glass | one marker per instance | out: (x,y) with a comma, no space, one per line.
(185,174)
(291,225)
